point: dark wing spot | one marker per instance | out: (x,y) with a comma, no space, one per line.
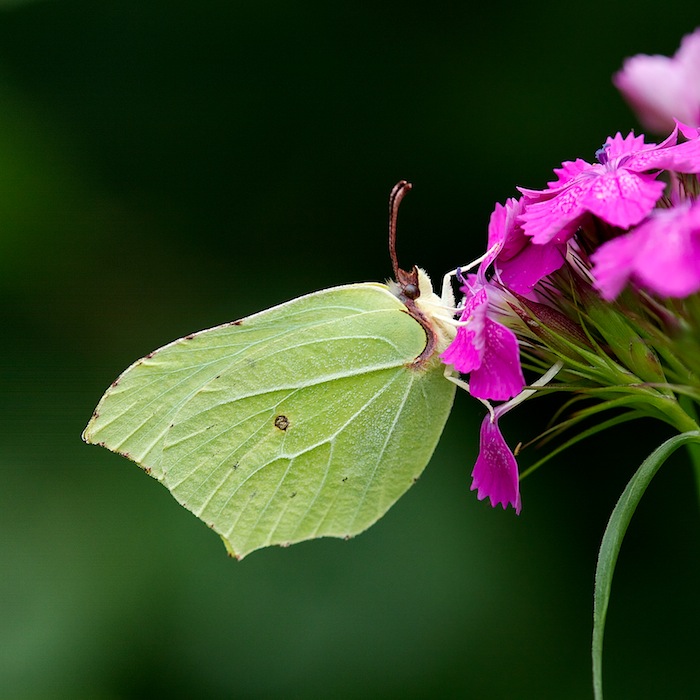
(282,422)
(189,337)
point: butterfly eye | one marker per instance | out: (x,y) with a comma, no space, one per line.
(411,291)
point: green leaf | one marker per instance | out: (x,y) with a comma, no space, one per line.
(309,419)
(612,540)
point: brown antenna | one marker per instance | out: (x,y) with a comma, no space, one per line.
(408,281)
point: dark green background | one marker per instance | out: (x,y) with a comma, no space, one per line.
(167,166)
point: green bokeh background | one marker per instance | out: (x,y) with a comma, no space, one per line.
(167,166)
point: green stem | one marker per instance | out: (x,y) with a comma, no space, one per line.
(675,412)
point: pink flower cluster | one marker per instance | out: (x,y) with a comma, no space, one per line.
(629,217)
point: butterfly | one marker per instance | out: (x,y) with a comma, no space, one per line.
(305,420)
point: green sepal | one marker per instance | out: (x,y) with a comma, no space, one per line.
(627,345)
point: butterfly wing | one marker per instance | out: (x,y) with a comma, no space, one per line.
(302,421)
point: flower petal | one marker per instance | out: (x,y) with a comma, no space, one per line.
(659,88)
(568,171)
(681,157)
(465,352)
(622,198)
(499,376)
(504,230)
(617,146)
(661,255)
(612,265)
(533,263)
(495,473)
(554,218)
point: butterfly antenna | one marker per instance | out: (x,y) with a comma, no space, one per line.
(397,194)
(407,281)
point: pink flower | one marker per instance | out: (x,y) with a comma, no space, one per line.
(660,89)
(483,348)
(495,473)
(619,189)
(661,255)
(521,264)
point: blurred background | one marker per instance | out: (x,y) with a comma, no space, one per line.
(168,166)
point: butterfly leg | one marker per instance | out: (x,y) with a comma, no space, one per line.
(454,378)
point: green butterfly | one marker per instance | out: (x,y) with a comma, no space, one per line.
(308,419)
